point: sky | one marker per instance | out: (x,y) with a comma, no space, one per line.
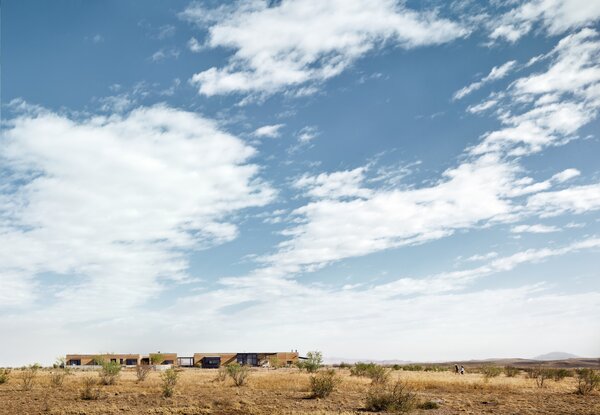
(374,179)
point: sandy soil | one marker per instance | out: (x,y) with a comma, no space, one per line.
(286,391)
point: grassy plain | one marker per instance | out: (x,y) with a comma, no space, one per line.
(287,391)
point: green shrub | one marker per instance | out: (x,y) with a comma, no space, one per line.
(587,381)
(344,365)
(28,375)
(110,372)
(238,373)
(377,373)
(361,369)
(313,361)
(511,371)
(4,375)
(323,383)
(490,372)
(89,392)
(390,398)
(540,374)
(57,377)
(169,381)
(560,374)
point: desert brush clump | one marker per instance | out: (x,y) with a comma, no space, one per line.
(312,363)
(238,373)
(221,375)
(560,374)
(90,390)
(511,371)
(169,380)
(28,376)
(323,383)
(490,372)
(57,377)
(394,398)
(141,372)
(587,381)
(109,373)
(377,373)
(412,368)
(540,374)
(4,375)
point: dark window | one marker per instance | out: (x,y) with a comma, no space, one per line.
(75,362)
(168,362)
(131,362)
(113,360)
(249,359)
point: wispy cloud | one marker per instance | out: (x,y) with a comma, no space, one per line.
(271,131)
(497,72)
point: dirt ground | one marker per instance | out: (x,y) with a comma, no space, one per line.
(286,391)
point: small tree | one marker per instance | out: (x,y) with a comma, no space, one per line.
(110,372)
(323,383)
(157,358)
(90,390)
(141,372)
(587,381)
(4,375)
(169,381)
(238,373)
(540,375)
(314,360)
(28,375)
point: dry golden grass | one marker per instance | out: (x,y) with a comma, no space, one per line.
(286,391)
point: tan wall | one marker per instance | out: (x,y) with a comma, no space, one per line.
(89,359)
(227,358)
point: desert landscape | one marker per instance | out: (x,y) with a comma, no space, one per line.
(356,388)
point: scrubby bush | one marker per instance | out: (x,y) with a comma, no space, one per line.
(490,372)
(157,358)
(511,371)
(221,374)
(169,381)
(377,373)
(560,374)
(90,391)
(28,376)
(110,372)
(57,377)
(238,373)
(390,398)
(540,374)
(412,368)
(323,383)
(313,361)
(141,372)
(4,375)
(344,365)
(587,381)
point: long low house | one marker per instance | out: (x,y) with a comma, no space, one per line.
(204,360)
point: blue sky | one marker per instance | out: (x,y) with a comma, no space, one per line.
(373,179)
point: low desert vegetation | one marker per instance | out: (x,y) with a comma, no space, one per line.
(141,372)
(90,390)
(28,376)
(394,398)
(221,374)
(323,383)
(169,380)
(109,374)
(588,380)
(540,375)
(511,371)
(4,375)
(490,372)
(238,373)
(377,373)
(312,363)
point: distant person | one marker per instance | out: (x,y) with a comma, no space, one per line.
(456,369)
(462,370)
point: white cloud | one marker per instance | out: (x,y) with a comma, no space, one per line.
(555,16)
(497,72)
(113,203)
(536,228)
(194,46)
(163,54)
(566,175)
(577,199)
(306,41)
(98,39)
(307,134)
(335,185)
(271,131)
(557,101)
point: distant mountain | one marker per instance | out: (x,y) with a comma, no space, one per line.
(336,360)
(555,356)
